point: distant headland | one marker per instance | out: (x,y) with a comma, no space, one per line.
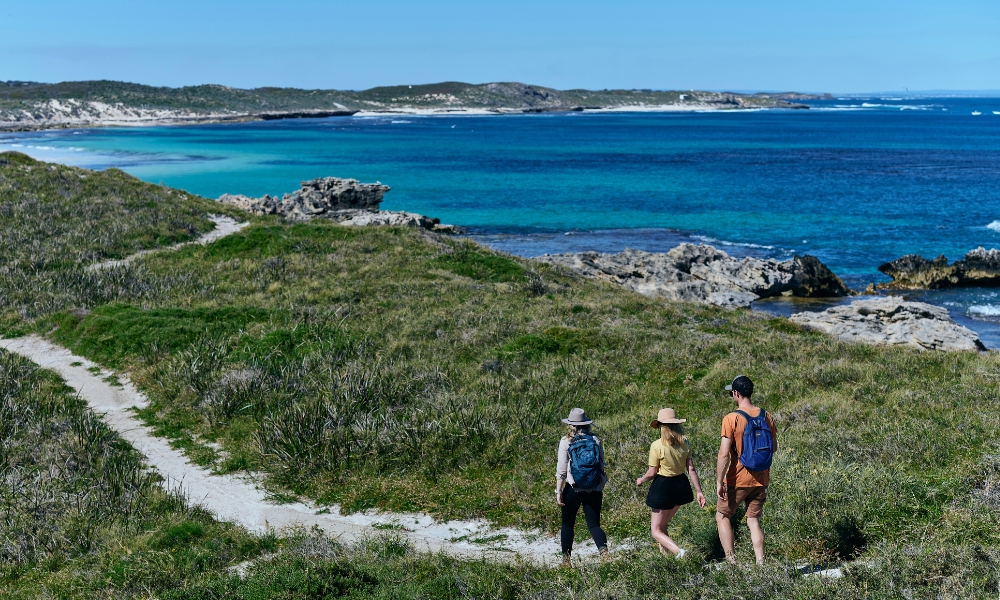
(26,106)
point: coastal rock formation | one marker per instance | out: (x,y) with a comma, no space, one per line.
(701,273)
(325,197)
(346,201)
(979,268)
(891,321)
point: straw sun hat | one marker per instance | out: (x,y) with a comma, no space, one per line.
(665,416)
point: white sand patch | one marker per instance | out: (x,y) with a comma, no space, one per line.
(223,226)
(241,500)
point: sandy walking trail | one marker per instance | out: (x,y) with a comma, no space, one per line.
(223,226)
(237,499)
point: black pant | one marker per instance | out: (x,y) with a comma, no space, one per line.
(591,503)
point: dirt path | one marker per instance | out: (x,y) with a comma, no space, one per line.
(235,499)
(223,227)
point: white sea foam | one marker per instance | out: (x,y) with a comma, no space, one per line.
(890,99)
(994,226)
(870,105)
(710,240)
(985,310)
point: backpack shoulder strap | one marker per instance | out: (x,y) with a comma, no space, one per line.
(744,415)
(762,416)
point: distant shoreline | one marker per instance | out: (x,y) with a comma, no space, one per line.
(187,119)
(27,106)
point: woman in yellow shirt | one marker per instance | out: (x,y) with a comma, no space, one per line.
(669,458)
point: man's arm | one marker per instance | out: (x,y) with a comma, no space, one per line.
(721,466)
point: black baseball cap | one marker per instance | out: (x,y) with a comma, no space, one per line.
(741,384)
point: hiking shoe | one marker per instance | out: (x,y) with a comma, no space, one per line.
(566,562)
(605,555)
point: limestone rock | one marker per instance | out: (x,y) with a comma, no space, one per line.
(979,268)
(323,197)
(702,273)
(362,218)
(346,201)
(891,321)
(266,205)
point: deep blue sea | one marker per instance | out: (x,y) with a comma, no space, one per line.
(853,181)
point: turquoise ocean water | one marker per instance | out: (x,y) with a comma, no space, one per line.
(854,181)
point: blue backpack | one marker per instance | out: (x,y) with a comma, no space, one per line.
(758,445)
(585,462)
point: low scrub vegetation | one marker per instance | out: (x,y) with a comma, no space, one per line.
(392,369)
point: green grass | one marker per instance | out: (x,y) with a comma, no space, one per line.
(56,220)
(336,370)
(385,368)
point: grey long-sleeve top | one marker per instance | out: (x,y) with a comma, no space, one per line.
(563,470)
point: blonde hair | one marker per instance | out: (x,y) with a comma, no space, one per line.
(575,430)
(671,434)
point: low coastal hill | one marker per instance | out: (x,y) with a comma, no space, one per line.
(401,370)
(30,105)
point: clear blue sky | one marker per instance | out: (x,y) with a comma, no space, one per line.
(841,46)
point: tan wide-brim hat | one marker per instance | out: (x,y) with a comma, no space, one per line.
(666,416)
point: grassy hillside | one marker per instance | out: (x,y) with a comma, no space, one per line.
(216,98)
(401,370)
(56,220)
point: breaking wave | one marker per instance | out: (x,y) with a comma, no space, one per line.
(985,310)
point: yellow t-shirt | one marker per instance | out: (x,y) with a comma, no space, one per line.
(669,460)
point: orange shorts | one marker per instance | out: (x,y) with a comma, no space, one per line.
(753,496)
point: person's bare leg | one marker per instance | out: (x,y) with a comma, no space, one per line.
(658,521)
(757,536)
(726,536)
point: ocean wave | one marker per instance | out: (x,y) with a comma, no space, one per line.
(870,105)
(400,121)
(994,226)
(985,310)
(710,240)
(891,99)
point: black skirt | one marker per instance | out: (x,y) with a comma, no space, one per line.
(668,492)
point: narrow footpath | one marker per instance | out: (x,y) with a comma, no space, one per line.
(239,500)
(223,226)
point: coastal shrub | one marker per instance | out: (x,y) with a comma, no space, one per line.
(481,265)
(113,332)
(554,340)
(281,240)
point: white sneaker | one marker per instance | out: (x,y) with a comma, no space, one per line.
(681,552)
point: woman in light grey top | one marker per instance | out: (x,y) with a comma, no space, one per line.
(588,494)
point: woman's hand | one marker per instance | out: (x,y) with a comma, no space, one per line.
(639,482)
(701,500)
(559,499)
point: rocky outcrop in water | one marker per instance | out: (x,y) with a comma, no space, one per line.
(979,268)
(346,201)
(892,321)
(701,273)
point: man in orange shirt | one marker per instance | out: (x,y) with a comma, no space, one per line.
(735,483)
